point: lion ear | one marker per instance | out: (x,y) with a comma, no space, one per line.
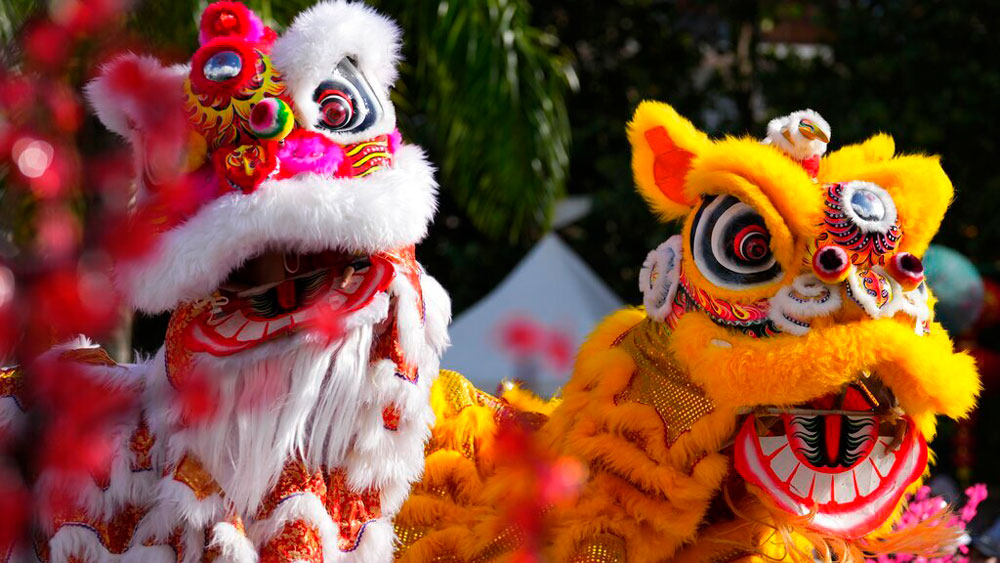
(878,148)
(664,144)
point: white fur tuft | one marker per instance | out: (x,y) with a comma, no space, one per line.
(387,210)
(321,37)
(799,147)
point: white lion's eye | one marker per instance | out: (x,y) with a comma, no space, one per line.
(347,103)
(868,206)
(731,244)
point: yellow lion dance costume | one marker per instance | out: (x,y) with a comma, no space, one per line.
(772,400)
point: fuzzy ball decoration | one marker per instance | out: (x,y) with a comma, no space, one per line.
(305,151)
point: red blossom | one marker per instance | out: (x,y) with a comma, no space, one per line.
(68,302)
(196,398)
(47,45)
(130,237)
(521,336)
(329,323)
(559,349)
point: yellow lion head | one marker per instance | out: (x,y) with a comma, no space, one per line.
(796,302)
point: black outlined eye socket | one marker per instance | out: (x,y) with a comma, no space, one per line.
(347,103)
(336,109)
(731,244)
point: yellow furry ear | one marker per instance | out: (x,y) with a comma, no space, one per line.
(663,146)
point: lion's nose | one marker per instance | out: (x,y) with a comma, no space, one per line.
(831,264)
(906,269)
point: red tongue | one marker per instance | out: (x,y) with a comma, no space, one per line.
(832,428)
(286,294)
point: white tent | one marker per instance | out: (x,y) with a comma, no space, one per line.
(551,287)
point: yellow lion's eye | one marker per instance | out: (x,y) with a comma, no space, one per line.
(731,244)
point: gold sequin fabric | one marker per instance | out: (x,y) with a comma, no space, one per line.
(660,382)
(602,548)
(406,536)
(190,472)
(297,541)
(506,541)
(350,510)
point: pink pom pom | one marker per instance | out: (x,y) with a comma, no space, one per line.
(304,151)
(395,139)
(231,19)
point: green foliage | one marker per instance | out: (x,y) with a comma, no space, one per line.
(484,91)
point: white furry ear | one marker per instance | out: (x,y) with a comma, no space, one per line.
(119,95)
(329,31)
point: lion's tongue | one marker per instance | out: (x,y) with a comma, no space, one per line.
(832,427)
(286,294)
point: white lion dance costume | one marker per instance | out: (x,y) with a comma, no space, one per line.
(310,208)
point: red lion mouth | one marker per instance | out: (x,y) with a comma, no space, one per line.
(276,294)
(846,458)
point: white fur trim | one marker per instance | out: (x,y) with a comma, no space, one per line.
(660,277)
(305,507)
(234,547)
(150,554)
(881,226)
(121,113)
(799,147)
(804,299)
(321,37)
(387,210)
(912,303)
(376,545)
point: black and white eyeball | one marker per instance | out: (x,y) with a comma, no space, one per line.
(731,245)
(347,103)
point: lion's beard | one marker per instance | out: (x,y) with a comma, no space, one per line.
(294,398)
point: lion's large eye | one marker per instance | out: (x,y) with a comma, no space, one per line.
(731,244)
(347,103)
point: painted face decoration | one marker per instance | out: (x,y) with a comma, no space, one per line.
(861,218)
(245,167)
(347,103)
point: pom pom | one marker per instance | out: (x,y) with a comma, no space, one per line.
(305,151)
(906,269)
(271,119)
(831,264)
(230,19)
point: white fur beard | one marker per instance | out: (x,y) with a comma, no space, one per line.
(296,401)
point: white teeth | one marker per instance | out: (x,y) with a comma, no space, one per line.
(822,488)
(278,324)
(251,332)
(303,316)
(882,459)
(232,325)
(783,464)
(843,487)
(212,321)
(770,444)
(867,479)
(802,481)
